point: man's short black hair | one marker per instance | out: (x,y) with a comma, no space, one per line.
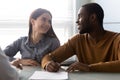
(94,8)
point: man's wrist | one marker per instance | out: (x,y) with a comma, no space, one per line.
(46,66)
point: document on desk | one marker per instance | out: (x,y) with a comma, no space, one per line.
(44,75)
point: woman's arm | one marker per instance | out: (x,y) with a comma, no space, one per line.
(12,49)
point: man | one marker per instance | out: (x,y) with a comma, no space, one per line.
(97,50)
(7,72)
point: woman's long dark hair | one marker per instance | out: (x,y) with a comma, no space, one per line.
(35,14)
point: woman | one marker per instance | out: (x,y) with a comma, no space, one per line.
(40,40)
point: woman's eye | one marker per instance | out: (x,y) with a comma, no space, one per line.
(46,20)
(49,21)
(43,19)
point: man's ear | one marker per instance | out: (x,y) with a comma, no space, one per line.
(93,18)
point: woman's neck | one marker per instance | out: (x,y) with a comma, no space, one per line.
(36,37)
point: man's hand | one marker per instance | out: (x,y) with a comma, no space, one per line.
(77,66)
(29,62)
(52,66)
(16,63)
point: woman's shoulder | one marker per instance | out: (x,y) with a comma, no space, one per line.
(51,38)
(23,38)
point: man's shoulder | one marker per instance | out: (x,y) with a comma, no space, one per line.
(113,34)
(117,37)
(80,35)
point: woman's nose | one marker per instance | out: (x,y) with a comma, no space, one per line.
(48,23)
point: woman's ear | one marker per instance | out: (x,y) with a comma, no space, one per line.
(32,21)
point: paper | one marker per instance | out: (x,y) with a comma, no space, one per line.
(44,75)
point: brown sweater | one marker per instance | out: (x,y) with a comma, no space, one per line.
(103,56)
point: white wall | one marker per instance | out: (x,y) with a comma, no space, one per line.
(78,4)
(112,14)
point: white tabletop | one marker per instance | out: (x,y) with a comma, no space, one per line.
(28,71)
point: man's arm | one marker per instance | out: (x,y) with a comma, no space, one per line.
(60,54)
(110,66)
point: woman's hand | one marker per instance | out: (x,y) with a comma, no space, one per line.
(52,66)
(16,63)
(77,66)
(29,62)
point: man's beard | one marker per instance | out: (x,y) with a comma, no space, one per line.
(85,30)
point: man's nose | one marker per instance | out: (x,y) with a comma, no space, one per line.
(77,21)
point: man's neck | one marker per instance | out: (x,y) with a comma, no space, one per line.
(97,35)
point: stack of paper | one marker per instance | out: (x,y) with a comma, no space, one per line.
(44,75)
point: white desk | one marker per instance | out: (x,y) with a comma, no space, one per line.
(28,71)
